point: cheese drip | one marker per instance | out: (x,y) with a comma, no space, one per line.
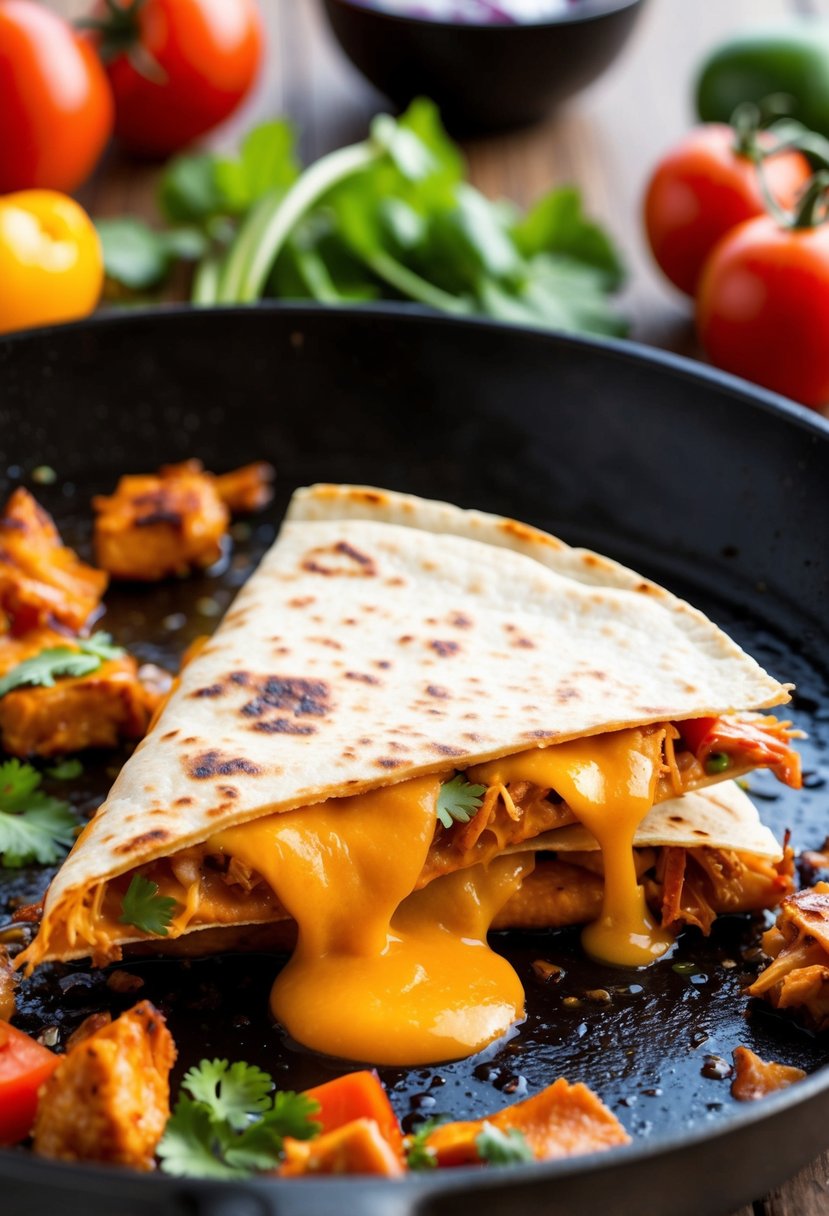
(379,973)
(609,782)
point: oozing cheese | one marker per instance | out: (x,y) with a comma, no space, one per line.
(379,973)
(609,782)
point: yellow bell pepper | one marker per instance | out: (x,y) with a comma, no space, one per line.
(51,265)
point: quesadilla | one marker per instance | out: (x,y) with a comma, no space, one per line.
(404,700)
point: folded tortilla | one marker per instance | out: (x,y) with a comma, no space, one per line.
(385,638)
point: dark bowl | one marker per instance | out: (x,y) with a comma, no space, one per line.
(484,77)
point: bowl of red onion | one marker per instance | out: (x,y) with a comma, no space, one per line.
(489,64)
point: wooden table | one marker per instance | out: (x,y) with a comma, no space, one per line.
(606,141)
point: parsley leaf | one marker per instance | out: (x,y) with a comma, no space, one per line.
(228,1126)
(458,800)
(86,656)
(33,826)
(233,1092)
(502,1148)
(143,908)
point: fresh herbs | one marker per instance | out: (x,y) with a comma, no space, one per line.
(81,659)
(503,1148)
(458,800)
(65,770)
(392,217)
(419,1156)
(143,908)
(33,826)
(226,1124)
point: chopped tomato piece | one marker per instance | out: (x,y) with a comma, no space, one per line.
(24,1067)
(358,1147)
(358,1095)
(42,582)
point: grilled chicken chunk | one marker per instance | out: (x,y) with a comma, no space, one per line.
(798,976)
(109,1098)
(42,583)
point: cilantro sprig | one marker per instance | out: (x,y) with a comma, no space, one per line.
(503,1148)
(81,659)
(458,800)
(419,1155)
(33,826)
(228,1124)
(143,907)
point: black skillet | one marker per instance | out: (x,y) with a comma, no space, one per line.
(720,491)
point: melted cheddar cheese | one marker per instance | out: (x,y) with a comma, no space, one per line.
(381,973)
(610,784)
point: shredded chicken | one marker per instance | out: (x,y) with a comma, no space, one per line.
(754,1078)
(798,976)
(8,983)
(43,583)
(161,524)
(694,886)
(77,712)
(109,1098)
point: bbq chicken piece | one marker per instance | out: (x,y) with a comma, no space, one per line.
(158,525)
(358,1147)
(695,886)
(109,1098)
(798,976)
(77,712)
(42,582)
(754,1078)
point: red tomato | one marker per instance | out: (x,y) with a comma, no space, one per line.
(186,66)
(704,188)
(55,102)
(763,308)
(357,1095)
(24,1067)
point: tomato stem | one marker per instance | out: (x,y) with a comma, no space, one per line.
(812,208)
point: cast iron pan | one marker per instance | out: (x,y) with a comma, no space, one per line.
(716,490)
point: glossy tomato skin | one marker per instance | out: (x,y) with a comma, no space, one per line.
(701,190)
(55,102)
(763,308)
(195,61)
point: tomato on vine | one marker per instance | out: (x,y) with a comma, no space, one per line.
(177,67)
(763,301)
(706,186)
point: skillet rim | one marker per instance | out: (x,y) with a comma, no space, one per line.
(21,1166)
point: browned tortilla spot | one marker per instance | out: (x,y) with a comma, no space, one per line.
(214,764)
(435,690)
(340,560)
(388,762)
(156,835)
(283,726)
(212,690)
(361,677)
(443,648)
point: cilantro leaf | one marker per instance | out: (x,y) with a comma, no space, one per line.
(33,826)
(233,1092)
(458,800)
(43,669)
(187,1148)
(65,770)
(227,1125)
(419,1156)
(503,1148)
(143,908)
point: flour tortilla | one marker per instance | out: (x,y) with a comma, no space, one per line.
(383,637)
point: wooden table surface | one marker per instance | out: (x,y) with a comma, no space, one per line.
(606,141)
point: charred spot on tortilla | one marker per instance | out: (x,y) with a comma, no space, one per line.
(460,620)
(212,690)
(444,648)
(302,601)
(445,749)
(435,690)
(361,677)
(389,762)
(155,836)
(283,726)
(214,764)
(288,694)
(170,734)
(339,560)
